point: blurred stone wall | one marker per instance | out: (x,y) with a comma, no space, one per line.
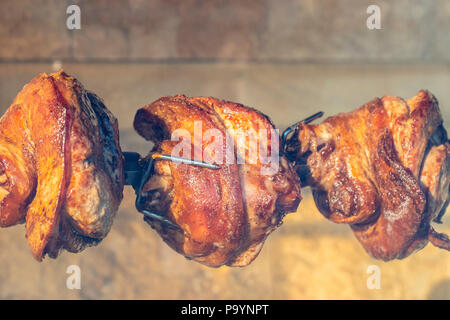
(255,30)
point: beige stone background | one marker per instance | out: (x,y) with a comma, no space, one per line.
(288,58)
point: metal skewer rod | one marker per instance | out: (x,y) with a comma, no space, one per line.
(185,160)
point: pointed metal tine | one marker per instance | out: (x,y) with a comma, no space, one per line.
(289,129)
(185,160)
(309,119)
(161,219)
(313,117)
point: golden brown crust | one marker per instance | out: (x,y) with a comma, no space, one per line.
(18,177)
(71,166)
(48,125)
(225,214)
(376,169)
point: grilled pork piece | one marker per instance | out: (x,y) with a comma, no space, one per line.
(60,165)
(224,214)
(383,169)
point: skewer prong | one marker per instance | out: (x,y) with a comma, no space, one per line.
(309,119)
(313,117)
(185,161)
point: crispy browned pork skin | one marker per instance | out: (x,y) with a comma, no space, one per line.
(383,169)
(60,165)
(224,214)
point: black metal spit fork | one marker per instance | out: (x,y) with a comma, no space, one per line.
(139,170)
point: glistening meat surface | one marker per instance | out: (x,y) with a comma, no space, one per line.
(224,214)
(383,169)
(61,165)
